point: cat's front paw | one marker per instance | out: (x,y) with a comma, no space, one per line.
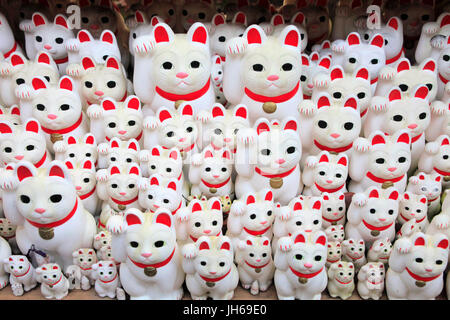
(438,107)
(151,123)
(237,208)
(144,45)
(189,251)
(183,214)
(307,108)
(144,156)
(5,68)
(60,146)
(441,221)
(197,159)
(103,148)
(283,213)
(387,73)
(246,136)
(379,104)
(24,92)
(338,46)
(403,245)
(285,244)
(430,28)
(26,26)
(143,184)
(360,199)
(8,181)
(321,80)
(237,46)
(204,116)
(311,162)
(414,180)
(432,148)
(102,175)
(74,70)
(95,111)
(72,45)
(361,145)
(115,224)
(438,42)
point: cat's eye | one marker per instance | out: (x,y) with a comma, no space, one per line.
(425,17)
(217,131)
(88,154)
(348,126)
(134,35)
(222,264)
(322,124)
(366,36)
(445,157)
(422,116)
(341,208)
(258,67)
(372,211)
(403,87)
(111,125)
(171,12)
(104,19)
(105,57)
(150,197)
(20,81)
(302,36)
(134,244)
(429,86)
(114,186)
(64,107)
(298,223)
(235,131)
(251,255)
(55,198)
(322,173)
(159,244)
(407,208)
(131,123)
(59,40)
(111,84)
(303,78)
(253,216)
(404,16)
(38,38)
(197,224)
(72,155)
(439,262)
(287,67)
(338,175)
(170,134)
(222,39)
(290,150)
(113,159)
(88,84)
(131,186)
(189,129)
(379,160)
(203,263)
(169,169)
(298,257)
(316,222)
(184,12)
(446,57)
(153,167)
(374,61)
(195,64)
(224,169)
(419,260)
(166,201)
(265,152)
(264,255)
(25,199)
(391,212)
(30,147)
(361,95)
(402,159)
(397,118)
(418,211)
(352,60)
(207,169)
(167,65)
(85,20)
(269,213)
(322,18)
(86,180)
(40,107)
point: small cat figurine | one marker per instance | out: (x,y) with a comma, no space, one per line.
(54,284)
(10,115)
(436,159)
(22,274)
(76,149)
(429,185)
(334,209)
(118,152)
(196,11)
(414,205)
(221,31)
(341,279)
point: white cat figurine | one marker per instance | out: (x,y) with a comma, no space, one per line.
(371,280)
(341,280)
(22,274)
(54,285)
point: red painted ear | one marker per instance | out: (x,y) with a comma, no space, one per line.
(350,241)
(269,196)
(134,170)
(325,62)
(421,176)
(298,206)
(164,218)
(108,37)
(114,144)
(155,20)
(173,155)
(394,195)
(325,197)
(423,200)
(266,243)
(374,194)
(291,125)
(404,138)
(134,103)
(300,238)
(216,205)
(160,34)
(196,207)
(14,110)
(225,246)
(83,36)
(87,63)
(208,154)
(164,115)
(406,196)
(154,181)
(200,35)
(341,197)
(155,152)
(5,128)
(363,74)
(393,23)
(324,158)
(61,21)
(305,60)
(240,18)
(430,65)
(32,126)
(378,139)
(445,21)
(66,84)
(90,139)
(38,19)
(445,141)
(172,185)
(139,16)
(250,199)
(253,36)
(420,241)
(421,92)
(203,246)
(443,244)
(69,165)
(56,171)
(71,140)
(115,170)
(55,268)
(438,179)
(323,102)
(88,164)
(217,112)
(277,19)
(336,73)
(226,155)
(38,84)
(218,19)
(263,126)
(317,205)
(343,161)
(112,63)
(108,105)
(377,41)
(353,39)
(403,65)
(395,94)
(218,60)
(187,110)
(241,112)
(249,243)
(351,103)
(299,18)
(16,60)
(338,245)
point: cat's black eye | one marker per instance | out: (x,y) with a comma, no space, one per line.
(88,84)
(352,60)
(38,38)
(111,84)
(374,61)
(55,198)
(170,134)
(25,199)
(184,12)
(422,116)
(30,147)
(348,126)
(59,40)
(64,107)
(159,243)
(322,124)
(290,150)
(265,152)
(402,159)
(337,95)
(134,244)
(361,95)
(222,39)
(20,81)
(287,67)
(111,125)
(131,123)
(195,64)
(303,78)
(202,15)
(167,65)
(8,150)
(85,20)
(258,67)
(397,118)
(86,180)
(40,107)
(379,160)
(298,257)
(104,19)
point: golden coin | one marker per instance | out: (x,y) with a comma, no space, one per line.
(177,104)
(269,107)
(212,190)
(46,233)
(210,284)
(387,184)
(302,280)
(257,270)
(150,271)
(122,207)
(375,233)
(420,284)
(56,137)
(276,183)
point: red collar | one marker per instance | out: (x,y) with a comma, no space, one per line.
(338,150)
(85,269)
(155,265)
(372,177)
(62,60)
(256,267)
(21,275)
(432,200)
(322,189)
(374,80)
(56,223)
(215,279)
(332,261)
(87,195)
(121,100)
(332,220)
(442,173)
(277,99)
(210,185)
(371,227)
(395,58)
(419,278)
(41,162)
(305,275)
(374,283)
(115,277)
(442,78)
(64,130)
(278,175)
(355,258)
(126,202)
(341,282)
(184,150)
(364,112)
(100,225)
(54,284)
(195,239)
(14,48)
(187,97)
(406,219)
(137,138)
(414,139)
(306,97)
(256,233)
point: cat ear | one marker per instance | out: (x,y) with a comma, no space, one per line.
(89,139)
(421,92)
(342,197)
(429,64)
(204,245)
(298,18)
(291,125)
(216,204)
(250,199)
(404,138)
(114,170)
(133,217)
(39,83)
(298,206)
(88,164)
(163,33)
(374,193)
(317,205)
(325,62)
(135,170)
(406,195)
(44,58)
(419,239)
(336,73)
(240,18)
(57,170)
(305,60)
(343,160)
(290,37)
(32,126)
(377,41)
(71,140)
(262,125)
(438,179)
(164,114)
(255,35)
(362,73)
(112,62)
(174,154)
(108,104)
(241,111)
(323,101)
(394,23)
(172,185)
(218,19)
(394,195)
(196,206)
(114,143)
(277,19)
(324,157)
(378,138)
(325,196)
(15,110)
(155,20)
(445,141)
(395,94)
(197,33)
(108,37)
(218,111)
(156,152)
(268,196)
(39,19)
(353,39)
(443,244)
(140,17)
(315,56)
(17,59)
(186,110)
(66,83)
(5,128)
(60,20)
(25,170)
(226,244)
(403,65)
(208,154)
(87,63)
(226,155)
(133,102)
(351,103)
(423,199)
(300,237)
(154,180)
(84,36)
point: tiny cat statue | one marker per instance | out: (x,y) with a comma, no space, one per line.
(408,229)
(50,37)
(251,215)
(429,185)
(416,267)
(354,251)
(440,27)
(83,259)
(196,11)
(5,253)
(54,285)
(252,74)
(436,159)
(8,232)
(44,205)
(300,266)
(268,157)
(114,119)
(341,280)
(441,55)
(371,280)
(221,31)
(255,264)
(200,218)
(150,261)
(18,70)
(314,73)
(23,142)
(106,279)
(256,12)
(76,149)
(333,212)
(10,115)
(380,161)
(380,251)
(118,152)
(139,26)
(323,49)
(22,274)
(334,253)
(210,173)
(325,173)
(372,215)
(318,19)
(84,178)
(440,224)
(171,68)
(101,239)
(335,233)
(9,44)
(166,10)
(413,205)
(217,78)
(210,270)
(439,123)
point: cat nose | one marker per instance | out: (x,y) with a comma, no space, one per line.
(263,222)
(273,77)
(392,169)
(94,27)
(227,139)
(335,135)
(47,47)
(78,188)
(156,206)
(216,176)
(308,265)
(182,139)
(40,210)
(382,219)
(122,193)
(280,161)
(310,85)
(146,255)
(99,93)
(19,157)
(412,126)
(182,75)
(52,116)
(122,132)
(329,181)
(309,230)
(428,269)
(207,231)
(258,260)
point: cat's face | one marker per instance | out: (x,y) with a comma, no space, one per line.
(382,206)
(123,152)
(375,272)
(51,37)
(167,163)
(345,271)
(22,142)
(122,120)
(50,273)
(7,229)
(353,248)
(100,49)
(278,145)
(392,34)
(333,205)
(205,218)
(6,34)
(309,252)
(83,175)
(336,125)
(414,16)
(17,265)
(161,193)
(430,185)
(257,250)
(441,160)
(271,65)
(260,212)
(10,115)
(78,149)
(410,113)
(102,239)
(334,252)
(163,9)
(382,248)
(413,206)
(221,131)
(331,171)
(221,31)
(390,156)
(106,270)
(311,66)
(256,13)
(215,256)
(44,195)
(335,233)
(84,257)
(196,11)
(181,63)
(56,107)
(96,19)
(217,70)
(103,80)
(306,215)
(178,128)
(105,253)
(123,182)
(216,166)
